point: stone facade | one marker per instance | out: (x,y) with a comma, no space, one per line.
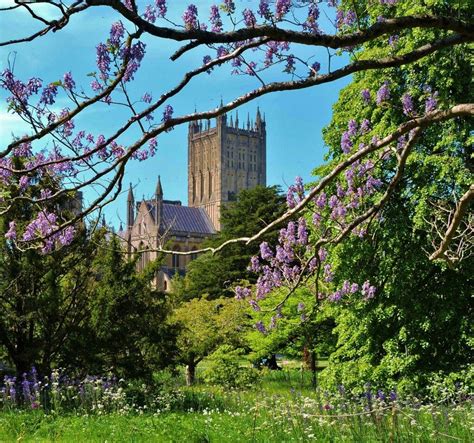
(222,160)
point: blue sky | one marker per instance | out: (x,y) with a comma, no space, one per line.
(294,119)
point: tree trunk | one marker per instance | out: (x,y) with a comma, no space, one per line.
(313,369)
(190,373)
(272,363)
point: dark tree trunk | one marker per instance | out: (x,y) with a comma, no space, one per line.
(313,369)
(272,363)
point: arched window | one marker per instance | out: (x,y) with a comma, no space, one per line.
(141,260)
(175,262)
(201,177)
(210,184)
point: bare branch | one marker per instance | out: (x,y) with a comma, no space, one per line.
(461,209)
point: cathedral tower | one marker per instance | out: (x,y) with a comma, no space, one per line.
(223,160)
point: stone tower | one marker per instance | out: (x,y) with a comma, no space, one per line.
(223,160)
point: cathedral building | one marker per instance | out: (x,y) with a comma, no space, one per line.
(222,160)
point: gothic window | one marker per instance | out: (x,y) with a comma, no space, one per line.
(175,258)
(210,183)
(141,261)
(201,186)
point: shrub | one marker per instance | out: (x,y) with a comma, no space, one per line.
(225,369)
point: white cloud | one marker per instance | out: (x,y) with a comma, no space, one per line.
(45,11)
(10,124)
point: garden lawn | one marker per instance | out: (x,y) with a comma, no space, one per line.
(272,420)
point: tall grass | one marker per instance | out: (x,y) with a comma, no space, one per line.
(281,408)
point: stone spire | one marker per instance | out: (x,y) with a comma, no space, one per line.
(237,119)
(259,122)
(158,202)
(130,208)
(159,190)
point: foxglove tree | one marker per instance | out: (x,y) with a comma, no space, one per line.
(258,42)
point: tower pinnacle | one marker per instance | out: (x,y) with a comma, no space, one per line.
(159,190)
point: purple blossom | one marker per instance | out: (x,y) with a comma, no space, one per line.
(215,19)
(68,81)
(254,264)
(345,18)
(150,14)
(350,17)
(354,288)
(11,233)
(241,292)
(167,113)
(290,64)
(229,6)
(365,95)
(147,98)
(302,232)
(264,9)
(322,254)
(368,291)
(315,68)
(346,142)
(300,307)
(328,273)
(68,126)
(333,201)
(33,86)
(265,251)
(117,32)
(281,8)
(161,7)
(407,102)
(66,236)
(352,128)
(254,305)
(221,51)
(49,94)
(346,287)
(23,182)
(393,40)
(340,192)
(321,200)
(134,56)
(273,322)
(282,255)
(311,23)
(365,126)
(251,68)
(383,94)
(335,296)
(103,60)
(190,17)
(96,86)
(249,18)
(260,327)
(23,150)
(316,219)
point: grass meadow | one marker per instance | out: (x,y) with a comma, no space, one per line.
(281,407)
